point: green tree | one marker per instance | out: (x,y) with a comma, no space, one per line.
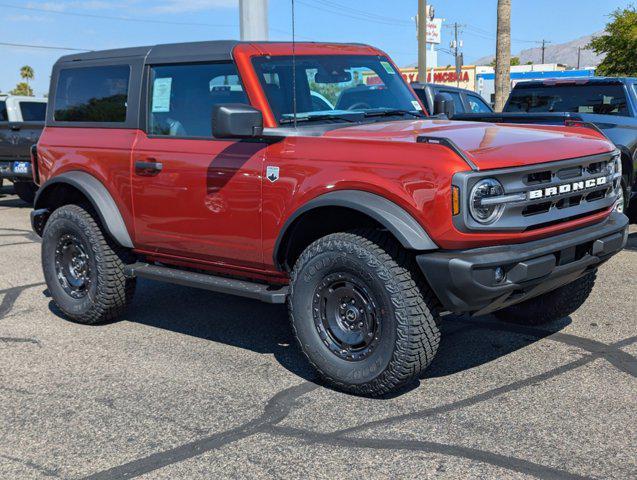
(26,73)
(619,44)
(514,61)
(22,88)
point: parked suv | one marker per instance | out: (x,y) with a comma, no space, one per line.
(21,122)
(463,100)
(213,165)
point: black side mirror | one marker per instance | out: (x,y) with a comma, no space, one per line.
(443,105)
(236,120)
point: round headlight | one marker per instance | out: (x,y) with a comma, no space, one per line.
(484,189)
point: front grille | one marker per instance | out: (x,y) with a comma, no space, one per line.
(544,194)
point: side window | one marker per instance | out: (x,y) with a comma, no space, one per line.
(4,117)
(477,105)
(33,111)
(92,94)
(182,96)
(457,100)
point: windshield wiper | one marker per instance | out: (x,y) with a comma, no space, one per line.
(350,118)
(391,111)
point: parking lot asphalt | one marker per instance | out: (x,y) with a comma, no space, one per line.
(191,384)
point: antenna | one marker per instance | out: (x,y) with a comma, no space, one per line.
(293,65)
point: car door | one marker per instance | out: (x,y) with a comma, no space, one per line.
(477,104)
(457,100)
(196,197)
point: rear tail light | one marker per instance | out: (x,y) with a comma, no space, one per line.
(34,164)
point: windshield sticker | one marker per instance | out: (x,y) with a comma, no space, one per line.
(161,95)
(388,68)
(416,105)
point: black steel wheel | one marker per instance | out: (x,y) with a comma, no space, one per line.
(362,316)
(346,316)
(72,266)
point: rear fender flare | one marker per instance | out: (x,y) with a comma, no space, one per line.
(100,199)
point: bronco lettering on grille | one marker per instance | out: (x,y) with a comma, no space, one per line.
(566,188)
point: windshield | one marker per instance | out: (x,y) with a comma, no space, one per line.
(591,98)
(335,88)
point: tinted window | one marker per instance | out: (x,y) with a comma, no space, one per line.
(33,111)
(457,100)
(92,94)
(591,98)
(422,94)
(477,105)
(3,111)
(182,97)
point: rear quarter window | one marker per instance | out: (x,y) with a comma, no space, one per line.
(3,111)
(92,94)
(33,111)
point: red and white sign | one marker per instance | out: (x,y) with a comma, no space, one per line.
(434,28)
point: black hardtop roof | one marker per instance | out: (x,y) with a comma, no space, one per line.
(215,50)
(565,81)
(218,49)
(420,85)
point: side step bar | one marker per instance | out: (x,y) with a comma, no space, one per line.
(241,288)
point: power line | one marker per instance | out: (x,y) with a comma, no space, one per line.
(132,19)
(110,17)
(347,12)
(23,45)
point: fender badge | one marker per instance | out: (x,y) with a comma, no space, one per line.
(272,173)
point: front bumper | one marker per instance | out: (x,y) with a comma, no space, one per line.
(464,281)
(7,170)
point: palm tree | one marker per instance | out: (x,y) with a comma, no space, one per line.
(27,73)
(503,55)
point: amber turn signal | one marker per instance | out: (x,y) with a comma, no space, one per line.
(455,200)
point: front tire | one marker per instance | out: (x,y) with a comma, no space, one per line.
(552,305)
(359,315)
(83,268)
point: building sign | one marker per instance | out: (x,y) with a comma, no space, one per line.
(441,75)
(434,27)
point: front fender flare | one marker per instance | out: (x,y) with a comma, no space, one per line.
(394,218)
(99,197)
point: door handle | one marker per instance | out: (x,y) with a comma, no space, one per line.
(148,168)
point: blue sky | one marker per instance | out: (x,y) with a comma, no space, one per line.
(386,24)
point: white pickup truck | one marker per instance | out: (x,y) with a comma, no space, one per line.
(21,122)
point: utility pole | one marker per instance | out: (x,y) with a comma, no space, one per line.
(579,56)
(456,46)
(544,42)
(253,19)
(422,41)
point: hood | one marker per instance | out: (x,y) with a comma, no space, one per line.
(488,145)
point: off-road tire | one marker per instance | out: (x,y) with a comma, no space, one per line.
(550,306)
(26,191)
(110,291)
(409,335)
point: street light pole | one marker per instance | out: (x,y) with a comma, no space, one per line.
(253,19)
(422,41)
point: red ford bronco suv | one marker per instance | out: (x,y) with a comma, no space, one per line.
(277,172)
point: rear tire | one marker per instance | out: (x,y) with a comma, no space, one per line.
(26,191)
(550,306)
(83,268)
(358,314)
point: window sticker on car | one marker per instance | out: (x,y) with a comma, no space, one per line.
(388,68)
(161,95)
(416,105)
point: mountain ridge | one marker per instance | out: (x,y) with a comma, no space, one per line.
(563,53)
